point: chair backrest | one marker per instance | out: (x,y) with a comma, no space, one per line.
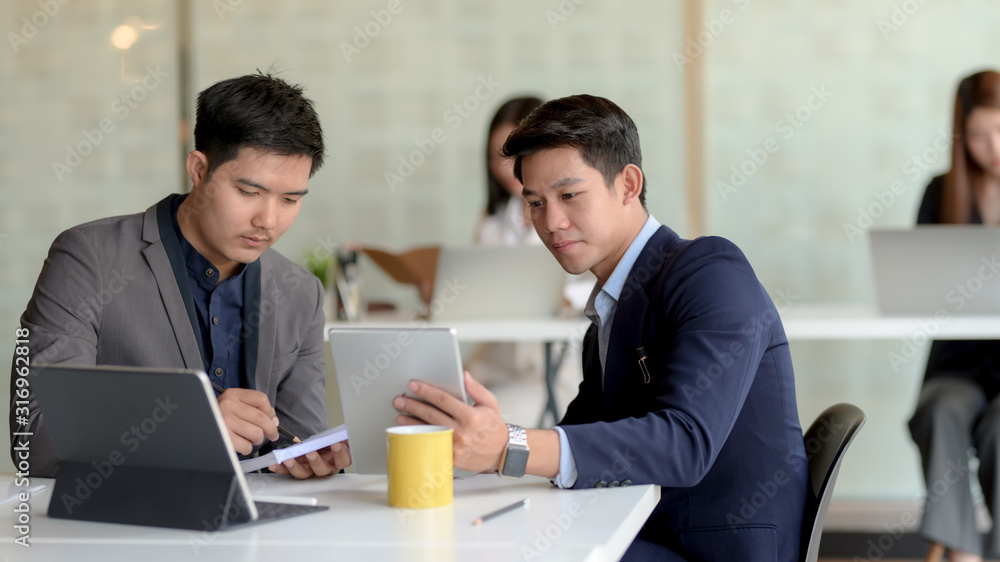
(826,441)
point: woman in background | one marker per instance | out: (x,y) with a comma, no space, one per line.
(505,222)
(958,412)
(510,370)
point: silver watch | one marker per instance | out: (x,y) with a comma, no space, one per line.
(515,456)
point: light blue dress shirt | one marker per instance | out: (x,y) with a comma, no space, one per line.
(601,311)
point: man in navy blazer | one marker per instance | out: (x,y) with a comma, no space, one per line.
(687,375)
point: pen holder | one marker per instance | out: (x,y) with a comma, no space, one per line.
(420,466)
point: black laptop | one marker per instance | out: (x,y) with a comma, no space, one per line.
(145,447)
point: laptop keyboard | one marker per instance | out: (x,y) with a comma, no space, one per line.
(268,511)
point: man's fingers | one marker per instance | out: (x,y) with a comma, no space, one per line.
(240,445)
(247,431)
(249,414)
(341,455)
(264,424)
(253,398)
(417,409)
(479,394)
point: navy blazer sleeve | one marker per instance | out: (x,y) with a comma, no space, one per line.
(711,325)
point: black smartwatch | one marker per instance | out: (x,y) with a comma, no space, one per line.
(515,457)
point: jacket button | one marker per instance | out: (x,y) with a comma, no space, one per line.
(626,482)
(613,484)
(601,484)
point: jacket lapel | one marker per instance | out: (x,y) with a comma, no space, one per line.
(257,351)
(622,363)
(162,255)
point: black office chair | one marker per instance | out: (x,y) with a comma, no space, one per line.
(826,442)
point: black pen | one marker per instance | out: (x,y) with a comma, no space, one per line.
(501,511)
(641,352)
(287,433)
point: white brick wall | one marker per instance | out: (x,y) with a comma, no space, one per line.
(890,96)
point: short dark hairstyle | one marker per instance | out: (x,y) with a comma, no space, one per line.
(603,133)
(511,112)
(258,111)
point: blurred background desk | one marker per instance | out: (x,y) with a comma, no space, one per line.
(572,525)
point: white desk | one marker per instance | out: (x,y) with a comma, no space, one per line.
(800,321)
(590,525)
(850,322)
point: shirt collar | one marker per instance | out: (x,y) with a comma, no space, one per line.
(616,282)
(199,267)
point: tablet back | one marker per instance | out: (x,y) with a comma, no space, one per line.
(140,446)
(373,365)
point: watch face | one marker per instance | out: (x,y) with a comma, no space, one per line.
(515,462)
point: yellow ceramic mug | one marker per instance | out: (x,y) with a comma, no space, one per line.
(419,466)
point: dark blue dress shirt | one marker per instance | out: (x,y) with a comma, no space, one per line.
(219,308)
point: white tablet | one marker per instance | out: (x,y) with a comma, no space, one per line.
(374,365)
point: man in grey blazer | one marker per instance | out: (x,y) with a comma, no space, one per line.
(192,282)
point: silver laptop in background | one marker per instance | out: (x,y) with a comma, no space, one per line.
(923,270)
(489,282)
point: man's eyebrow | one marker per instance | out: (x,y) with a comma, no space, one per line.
(563,182)
(558,184)
(254,184)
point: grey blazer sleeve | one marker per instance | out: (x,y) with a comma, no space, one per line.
(62,319)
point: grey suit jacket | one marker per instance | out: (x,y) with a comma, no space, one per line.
(107,295)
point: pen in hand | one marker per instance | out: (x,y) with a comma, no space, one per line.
(501,511)
(287,433)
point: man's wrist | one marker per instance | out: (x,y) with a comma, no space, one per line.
(514,460)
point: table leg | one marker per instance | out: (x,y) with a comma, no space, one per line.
(552,365)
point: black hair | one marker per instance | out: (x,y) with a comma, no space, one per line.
(603,133)
(259,111)
(512,112)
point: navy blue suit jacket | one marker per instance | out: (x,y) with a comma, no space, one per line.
(716,426)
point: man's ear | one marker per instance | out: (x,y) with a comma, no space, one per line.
(631,182)
(197,167)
